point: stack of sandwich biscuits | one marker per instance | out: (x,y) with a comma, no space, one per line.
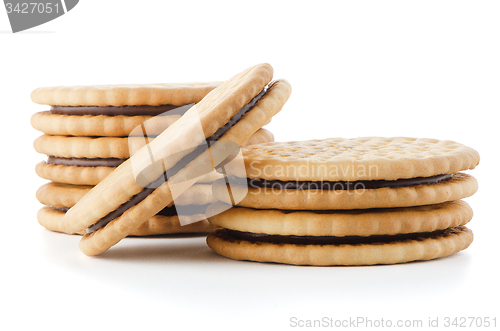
(159,174)
(339,201)
(90,130)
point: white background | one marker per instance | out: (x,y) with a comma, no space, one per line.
(357,68)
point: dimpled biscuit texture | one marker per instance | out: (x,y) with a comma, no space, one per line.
(368,158)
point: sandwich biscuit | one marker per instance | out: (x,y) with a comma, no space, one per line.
(88,160)
(137,189)
(51,219)
(114,110)
(357,173)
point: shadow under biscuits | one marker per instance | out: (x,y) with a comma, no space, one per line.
(165,268)
(178,248)
(172,236)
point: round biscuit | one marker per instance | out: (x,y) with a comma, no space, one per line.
(342,223)
(110,147)
(71,174)
(368,158)
(85,147)
(460,186)
(51,219)
(98,126)
(123,94)
(453,241)
(93,175)
(61,195)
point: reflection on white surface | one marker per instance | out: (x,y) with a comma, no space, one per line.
(182,270)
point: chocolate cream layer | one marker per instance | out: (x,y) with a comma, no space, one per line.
(344,185)
(328,240)
(167,211)
(177,167)
(124,110)
(84,162)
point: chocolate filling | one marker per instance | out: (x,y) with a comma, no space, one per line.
(186,210)
(176,168)
(167,211)
(328,240)
(344,185)
(84,162)
(124,110)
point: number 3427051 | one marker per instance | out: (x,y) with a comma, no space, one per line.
(32,7)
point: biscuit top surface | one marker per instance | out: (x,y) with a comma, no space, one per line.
(370,158)
(123,95)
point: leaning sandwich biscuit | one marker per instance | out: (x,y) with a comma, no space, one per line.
(162,170)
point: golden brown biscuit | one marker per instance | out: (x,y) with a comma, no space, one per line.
(51,219)
(380,251)
(98,125)
(259,137)
(114,110)
(110,147)
(342,223)
(123,95)
(72,175)
(66,196)
(459,186)
(370,158)
(94,149)
(61,195)
(85,147)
